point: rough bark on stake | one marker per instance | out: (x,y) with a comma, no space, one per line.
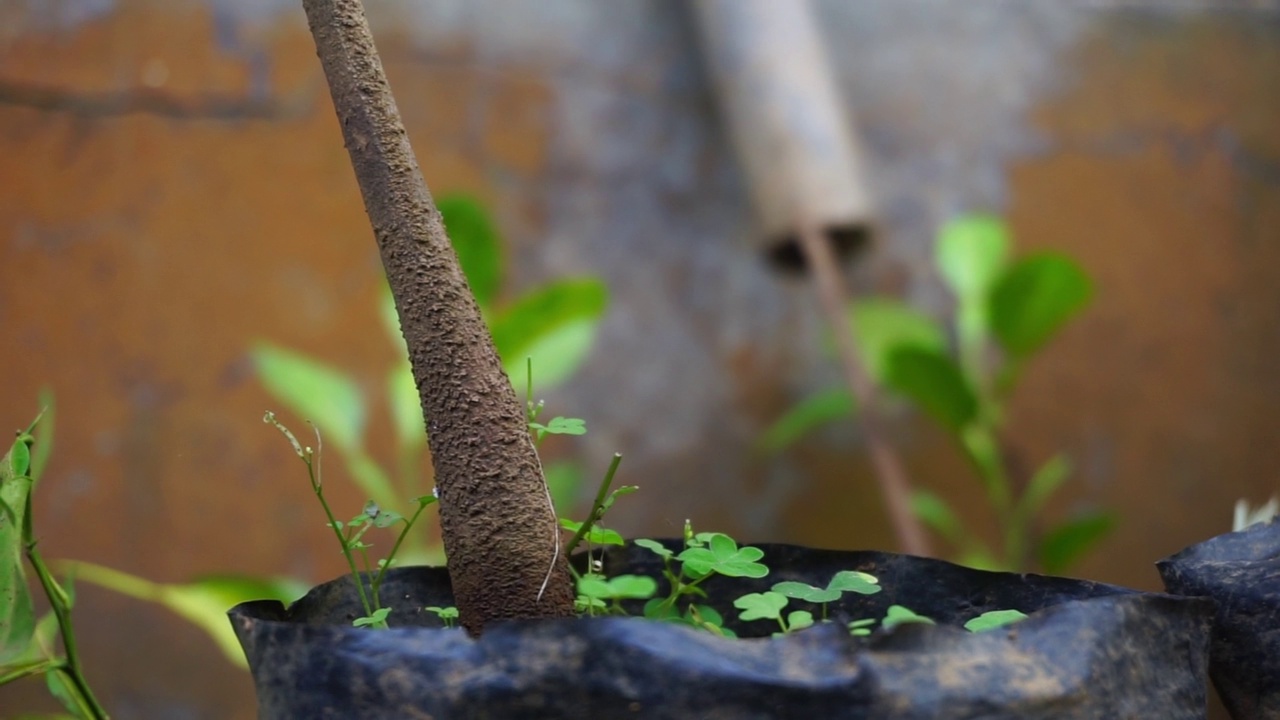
(499,528)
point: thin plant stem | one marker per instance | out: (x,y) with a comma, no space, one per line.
(597,505)
(313,472)
(70,670)
(890,472)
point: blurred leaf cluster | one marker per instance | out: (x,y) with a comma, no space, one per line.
(555,324)
(962,375)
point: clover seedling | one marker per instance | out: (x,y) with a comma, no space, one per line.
(705,554)
(722,555)
(842,582)
(447,615)
(768,606)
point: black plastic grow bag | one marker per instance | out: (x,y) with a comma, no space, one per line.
(1241,572)
(1088,650)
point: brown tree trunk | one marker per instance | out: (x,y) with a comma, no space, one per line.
(500,530)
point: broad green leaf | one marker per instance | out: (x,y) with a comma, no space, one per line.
(812,412)
(475,242)
(1034,299)
(994,619)
(761,606)
(313,391)
(557,354)
(898,615)
(1047,479)
(882,326)
(204,602)
(932,380)
(971,252)
(1068,542)
(934,512)
(540,313)
(405,407)
(17,614)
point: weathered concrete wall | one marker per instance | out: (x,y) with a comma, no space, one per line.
(173,187)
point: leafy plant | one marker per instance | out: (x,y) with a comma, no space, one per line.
(29,646)
(1006,311)
(555,324)
(351,534)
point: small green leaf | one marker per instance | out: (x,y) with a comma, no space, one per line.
(658,609)
(723,556)
(444,613)
(654,546)
(761,606)
(862,627)
(898,615)
(59,684)
(971,252)
(854,581)
(622,587)
(1068,542)
(934,512)
(806,592)
(809,414)
(378,616)
(883,326)
(799,620)
(314,391)
(562,426)
(596,535)
(706,618)
(993,619)
(1034,299)
(932,380)
(475,242)
(617,493)
(387,518)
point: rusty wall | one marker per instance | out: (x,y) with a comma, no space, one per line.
(173,188)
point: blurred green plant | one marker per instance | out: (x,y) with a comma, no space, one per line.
(1006,312)
(555,324)
(28,646)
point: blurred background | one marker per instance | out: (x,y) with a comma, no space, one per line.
(175,197)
